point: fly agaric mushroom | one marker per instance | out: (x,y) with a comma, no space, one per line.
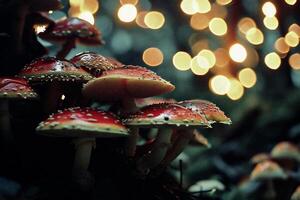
(287,154)
(57,75)
(296,194)
(84,124)
(267,171)
(94,63)
(125,84)
(211,112)
(11,89)
(70,30)
(166,117)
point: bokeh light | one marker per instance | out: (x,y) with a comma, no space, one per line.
(199,65)
(224,2)
(295,28)
(154,20)
(140,19)
(199,21)
(134,2)
(269,9)
(281,46)
(238,53)
(153,56)
(272,60)
(294,61)
(218,26)
(127,13)
(291,2)
(90,6)
(219,84)
(191,7)
(271,23)
(87,16)
(236,90)
(222,57)
(76,3)
(245,24)
(255,36)
(247,77)
(292,39)
(209,56)
(181,60)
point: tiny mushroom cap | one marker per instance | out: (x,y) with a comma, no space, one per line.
(212,112)
(267,170)
(82,122)
(142,102)
(93,62)
(128,81)
(166,115)
(50,69)
(296,194)
(260,157)
(16,88)
(73,28)
(286,150)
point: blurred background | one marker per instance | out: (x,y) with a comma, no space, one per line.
(242,55)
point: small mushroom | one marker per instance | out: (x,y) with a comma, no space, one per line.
(84,124)
(94,63)
(166,117)
(287,154)
(11,89)
(57,77)
(267,171)
(125,84)
(209,110)
(296,194)
(260,157)
(70,30)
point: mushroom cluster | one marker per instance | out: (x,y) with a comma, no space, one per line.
(69,89)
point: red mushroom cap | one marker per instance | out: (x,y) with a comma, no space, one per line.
(142,102)
(51,69)
(93,62)
(128,81)
(16,88)
(212,112)
(170,115)
(82,122)
(73,28)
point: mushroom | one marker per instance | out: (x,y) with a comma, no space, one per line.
(142,102)
(83,124)
(211,112)
(57,76)
(267,171)
(94,63)
(296,194)
(70,30)
(260,157)
(166,117)
(125,84)
(11,89)
(287,154)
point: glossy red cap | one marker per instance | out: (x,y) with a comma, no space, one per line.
(169,115)
(129,81)
(16,88)
(212,112)
(82,122)
(73,28)
(50,69)
(93,62)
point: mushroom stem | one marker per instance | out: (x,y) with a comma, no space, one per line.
(66,48)
(5,128)
(158,152)
(182,140)
(81,176)
(130,106)
(270,194)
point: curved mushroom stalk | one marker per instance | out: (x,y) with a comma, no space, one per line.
(66,48)
(182,140)
(158,152)
(270,194)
